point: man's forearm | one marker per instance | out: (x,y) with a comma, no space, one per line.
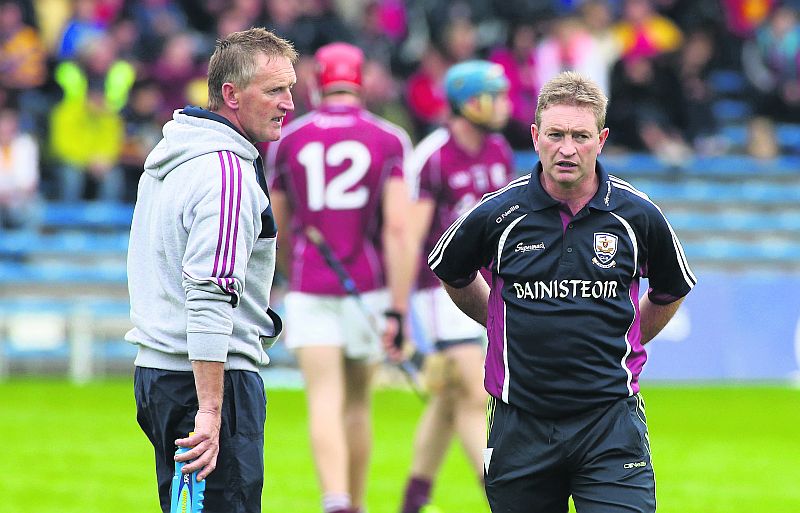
(473,299)
(653,317)
(209,380)
(399,257)
(400,269)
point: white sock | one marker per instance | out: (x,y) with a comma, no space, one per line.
(335,502)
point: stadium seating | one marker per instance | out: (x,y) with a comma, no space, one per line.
(65,284)
(80,337)
(87,215)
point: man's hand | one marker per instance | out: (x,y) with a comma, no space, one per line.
(209,378)
(204,443)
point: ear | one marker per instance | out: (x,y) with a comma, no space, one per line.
(230,96)
(603,138)
(535,136)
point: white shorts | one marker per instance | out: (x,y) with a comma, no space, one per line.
(320,320)
(441,320)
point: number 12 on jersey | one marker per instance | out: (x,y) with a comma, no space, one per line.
(343,191)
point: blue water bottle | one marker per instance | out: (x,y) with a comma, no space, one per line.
(187,492)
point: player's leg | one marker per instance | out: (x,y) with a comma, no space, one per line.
(323,373)
(358,425)
(616,472)
(360,323)
(434,432)
(314,334)
(436,426)
(460,339)
(470,406)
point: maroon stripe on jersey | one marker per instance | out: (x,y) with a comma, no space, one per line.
(495,368)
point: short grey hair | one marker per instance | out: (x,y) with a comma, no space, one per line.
(234,59)
(572,88)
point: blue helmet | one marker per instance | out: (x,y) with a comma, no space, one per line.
(469,79)
(473,79)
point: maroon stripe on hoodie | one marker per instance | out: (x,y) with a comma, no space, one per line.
(221,217)
(238,209)
(230,218)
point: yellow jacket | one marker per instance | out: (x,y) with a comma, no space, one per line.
(81,133)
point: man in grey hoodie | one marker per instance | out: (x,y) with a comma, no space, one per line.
(200,268)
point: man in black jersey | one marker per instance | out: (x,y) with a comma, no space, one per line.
(567,246)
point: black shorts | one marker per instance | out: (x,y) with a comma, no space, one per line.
(166,404)
(601,458)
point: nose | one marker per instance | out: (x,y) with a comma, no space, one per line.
(287,103)
(568,148)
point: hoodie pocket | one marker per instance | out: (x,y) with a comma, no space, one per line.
(268,340)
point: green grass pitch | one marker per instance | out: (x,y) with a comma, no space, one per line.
(70,449)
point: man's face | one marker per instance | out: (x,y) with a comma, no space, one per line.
(267,98)
(568,144)
(490,111)
(501,111)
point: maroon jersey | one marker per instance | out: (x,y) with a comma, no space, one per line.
(332,164)
(455,180)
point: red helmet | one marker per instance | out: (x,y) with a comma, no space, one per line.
(339,67)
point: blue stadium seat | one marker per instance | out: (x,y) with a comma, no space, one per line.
(524,161)
(729,110)
(727,221)
(728,82)
(62,273)
(735,134)
(25,243)
(788,137)
(728,165)
(56,346)
(719,193)
(87,215)
(624,164)
(733,251)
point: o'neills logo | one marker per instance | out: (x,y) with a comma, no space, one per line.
(557,289)
(506,214)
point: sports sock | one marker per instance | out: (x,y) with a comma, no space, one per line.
(336,503)
(418,493)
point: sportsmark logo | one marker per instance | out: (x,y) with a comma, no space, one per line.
(506,214)
(524,248)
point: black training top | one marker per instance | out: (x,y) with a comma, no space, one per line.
(563,314)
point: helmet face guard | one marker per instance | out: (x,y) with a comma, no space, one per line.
(474,90)
(339,68)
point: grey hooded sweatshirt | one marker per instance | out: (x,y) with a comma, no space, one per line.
(202,249)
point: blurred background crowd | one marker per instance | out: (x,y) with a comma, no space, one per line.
(85,85)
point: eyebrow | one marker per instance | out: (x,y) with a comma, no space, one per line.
(576,130)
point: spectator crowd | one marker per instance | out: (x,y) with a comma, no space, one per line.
(85,85)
